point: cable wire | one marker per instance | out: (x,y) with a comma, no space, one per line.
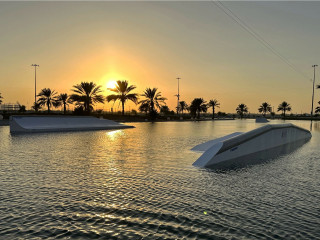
(257,36)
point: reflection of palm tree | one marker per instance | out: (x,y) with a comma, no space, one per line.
(317,109)
(197,106)
(242,109)
(183,106)
(264,108)
(86,94)
(284,106)
(214,103)
(153,100)
(0,98)
(63,99)
(122,89)
(48,97)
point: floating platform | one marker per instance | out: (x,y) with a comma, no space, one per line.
(35,124)
(242,149)
(261,120)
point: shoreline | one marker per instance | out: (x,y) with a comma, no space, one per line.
(126,119)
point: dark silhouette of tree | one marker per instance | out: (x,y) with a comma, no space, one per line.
(214,104)
(221,114)
(144,108)
(165,110)
(123,93)
(242,109)
(265,108)
(317,109)
(197,106)
(284,107)
(86,95)
(47,97)
(22,108)
(36,107)
(1,98)
(153,100)
(63,99)
(273,114)
(183,106)
(79,110)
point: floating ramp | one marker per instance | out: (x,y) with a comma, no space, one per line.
(34,124)
(241,149)
(261,120)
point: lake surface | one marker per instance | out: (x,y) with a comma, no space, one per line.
(140,184)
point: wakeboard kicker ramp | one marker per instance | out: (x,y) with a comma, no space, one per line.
(35,124)
(241,149)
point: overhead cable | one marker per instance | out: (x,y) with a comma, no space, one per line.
(257,36)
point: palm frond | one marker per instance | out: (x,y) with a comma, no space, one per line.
(113,97)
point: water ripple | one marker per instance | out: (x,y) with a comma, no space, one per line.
(139,184)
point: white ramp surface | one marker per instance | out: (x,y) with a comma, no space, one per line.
(30,124)
(205,146)
(254,146)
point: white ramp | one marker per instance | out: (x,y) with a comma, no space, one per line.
(205,146)
(31,124)
(254,146)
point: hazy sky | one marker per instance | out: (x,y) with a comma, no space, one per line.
(150,44)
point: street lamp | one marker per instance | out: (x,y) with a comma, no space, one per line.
(178,96)
(314,79)
(35,83)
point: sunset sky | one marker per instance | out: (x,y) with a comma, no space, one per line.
(150,44)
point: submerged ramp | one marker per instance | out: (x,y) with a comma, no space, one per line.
(33,124)
(254,146)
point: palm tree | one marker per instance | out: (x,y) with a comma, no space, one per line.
(0,98)
(63,99)
(144,108)
(86,95)
(183,106)
(165,110)
(284,106)
(48,97)
(242,109)
(22,108)
(153,100)
(264,108)
(317,109)
(213,103)
(122,89)
(36,107)
(197,106)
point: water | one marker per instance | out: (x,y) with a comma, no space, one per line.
(140,184)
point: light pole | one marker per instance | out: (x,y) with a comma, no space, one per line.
(314,79)
(178,96)
(35,83)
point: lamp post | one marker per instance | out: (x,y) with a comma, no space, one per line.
(178,96)
(314,79)
(35,83)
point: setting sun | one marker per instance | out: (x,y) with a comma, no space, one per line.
(111,84)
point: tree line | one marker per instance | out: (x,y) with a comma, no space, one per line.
(86,94)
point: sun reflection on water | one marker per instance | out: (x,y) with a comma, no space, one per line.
(113,135)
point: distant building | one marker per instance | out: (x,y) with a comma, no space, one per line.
(9,107)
